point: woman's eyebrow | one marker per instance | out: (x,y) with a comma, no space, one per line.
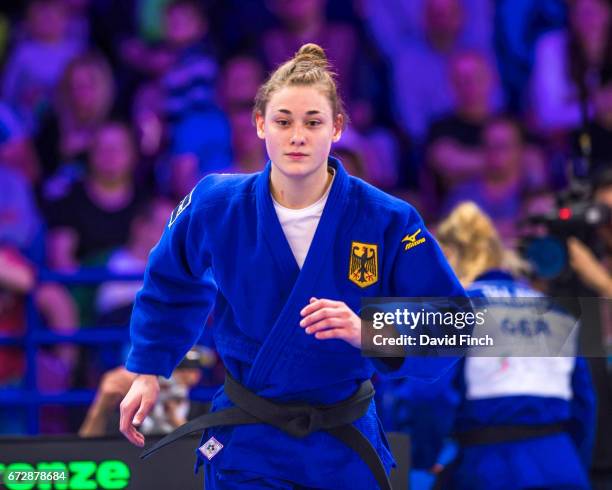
(308,113)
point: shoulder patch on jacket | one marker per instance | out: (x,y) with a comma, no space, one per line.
(412,240)
(180,208)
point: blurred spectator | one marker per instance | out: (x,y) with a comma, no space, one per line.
(397,21)
(113,387)
(178,175)
(239,81)
(206,135)
(28,83)
(569,64)
(372,158)
(182,61)
(16,149)
(20,227)
(54,365)
(83,102)
(518,25)
(351,156)
(16,279)
(20,222)
(190,81)
(197,125)
(172,409)
(20,231)
(384,149)
(595,272)
(305,21)
(421,97)
(114,299)
(249,154)
(151,130)
(148,119)
(95,214)
(454,153)
(509,175)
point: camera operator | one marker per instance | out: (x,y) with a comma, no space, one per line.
(595,273)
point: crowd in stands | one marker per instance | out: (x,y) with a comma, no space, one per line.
(112,110)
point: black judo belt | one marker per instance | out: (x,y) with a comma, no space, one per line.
(495,434)
(507,433)
(293,419)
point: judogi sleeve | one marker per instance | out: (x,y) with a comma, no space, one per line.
(419,270)
(178,293)
(582,421)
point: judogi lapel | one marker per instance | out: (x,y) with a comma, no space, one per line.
(287,321)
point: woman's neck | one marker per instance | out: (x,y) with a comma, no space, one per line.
(299,192)
(475,113)
(110,196)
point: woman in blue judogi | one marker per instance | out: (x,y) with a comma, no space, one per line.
(285,256)
(523,422)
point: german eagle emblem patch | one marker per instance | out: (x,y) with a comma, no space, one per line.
(363,268)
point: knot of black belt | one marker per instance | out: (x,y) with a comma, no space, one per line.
(300,420)
(297,420)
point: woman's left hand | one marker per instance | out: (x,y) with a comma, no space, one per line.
(328,319)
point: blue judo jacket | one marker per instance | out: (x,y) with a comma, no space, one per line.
(525,391)
(224,248)
(481,392)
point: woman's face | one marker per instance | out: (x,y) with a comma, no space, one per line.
(90,91)
(112,154)
(299,128)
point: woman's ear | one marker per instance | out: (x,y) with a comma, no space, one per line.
(338,124)
(259,124)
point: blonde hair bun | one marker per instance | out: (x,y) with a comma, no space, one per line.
(311,51)
(309,67)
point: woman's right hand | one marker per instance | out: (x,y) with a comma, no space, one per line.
(136,406)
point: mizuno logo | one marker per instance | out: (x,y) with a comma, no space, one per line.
(412,240)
